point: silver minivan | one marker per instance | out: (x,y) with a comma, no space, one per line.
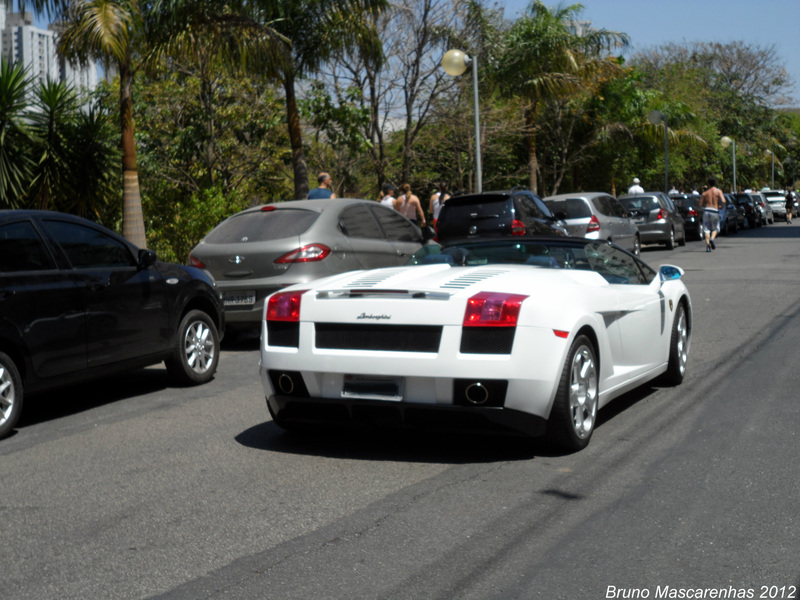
(596,216)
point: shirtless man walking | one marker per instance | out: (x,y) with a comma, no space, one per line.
(711,201)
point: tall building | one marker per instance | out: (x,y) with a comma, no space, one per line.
(35,48)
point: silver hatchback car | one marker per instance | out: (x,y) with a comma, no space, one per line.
(596,216)
(266,248)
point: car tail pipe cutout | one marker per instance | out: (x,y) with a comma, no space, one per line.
(288,383)
(482,392)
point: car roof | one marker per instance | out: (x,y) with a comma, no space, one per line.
(314,205)
(578,195)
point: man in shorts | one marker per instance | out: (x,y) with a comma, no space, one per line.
(711,201)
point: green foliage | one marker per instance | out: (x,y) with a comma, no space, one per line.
(16,141)
(176,226)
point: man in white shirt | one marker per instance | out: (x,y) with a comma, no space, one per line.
(636,188)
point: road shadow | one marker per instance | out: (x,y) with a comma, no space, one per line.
(412,445)
(74,399)
(387,444)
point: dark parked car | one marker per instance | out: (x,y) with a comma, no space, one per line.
(751,213)
(78,302)
(263,249)
(657,218)
(731,217)
(596,216)
(515,212)
(690,210)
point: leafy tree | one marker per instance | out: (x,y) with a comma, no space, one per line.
(16,165)
(309,33)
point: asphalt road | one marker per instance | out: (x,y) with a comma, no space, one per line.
(129,488)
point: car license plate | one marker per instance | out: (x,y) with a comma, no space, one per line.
(372,388)
(239,298)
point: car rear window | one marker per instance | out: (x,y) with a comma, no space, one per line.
(640,203)
(690,202)
(259,226)
(573,208)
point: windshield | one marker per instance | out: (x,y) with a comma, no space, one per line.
(613,263)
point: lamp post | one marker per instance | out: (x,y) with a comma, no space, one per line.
(726,141)
(772,184)
(455,63)
(656,117)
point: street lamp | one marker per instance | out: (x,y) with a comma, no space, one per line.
(455,63)
(772,185)
(726,141)
(656,117)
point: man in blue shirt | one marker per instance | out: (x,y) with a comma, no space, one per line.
(324,190)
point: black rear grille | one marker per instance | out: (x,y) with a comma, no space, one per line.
(280,333)
(388,338)
(487,340)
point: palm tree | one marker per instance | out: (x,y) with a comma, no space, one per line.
(544,58)
(51,122)
(16,166)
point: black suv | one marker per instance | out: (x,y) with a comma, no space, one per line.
(78,301)
(514,212)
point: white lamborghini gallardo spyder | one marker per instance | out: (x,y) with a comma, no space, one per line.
(527,336)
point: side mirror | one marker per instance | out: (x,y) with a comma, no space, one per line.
(147,258)
(668,272)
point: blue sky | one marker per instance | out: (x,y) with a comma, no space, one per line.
(653,22)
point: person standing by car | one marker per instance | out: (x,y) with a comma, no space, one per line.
(410,207)
(388,196)
(712,200)
(324,190)
(636,188)
(437,201)
(789,207)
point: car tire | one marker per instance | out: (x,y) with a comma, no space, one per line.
(682,241)
(700,235)
(678,348)
(637,245)
(574,413)
(10,395)
(671,241)
(196,352)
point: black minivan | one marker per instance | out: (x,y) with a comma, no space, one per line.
(77,301)
(515,212)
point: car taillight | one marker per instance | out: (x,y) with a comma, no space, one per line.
(193,262)
(493,309)
(310,253)
(594,225)
(517,227)
(284,306)
(662,214)
(692,212)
